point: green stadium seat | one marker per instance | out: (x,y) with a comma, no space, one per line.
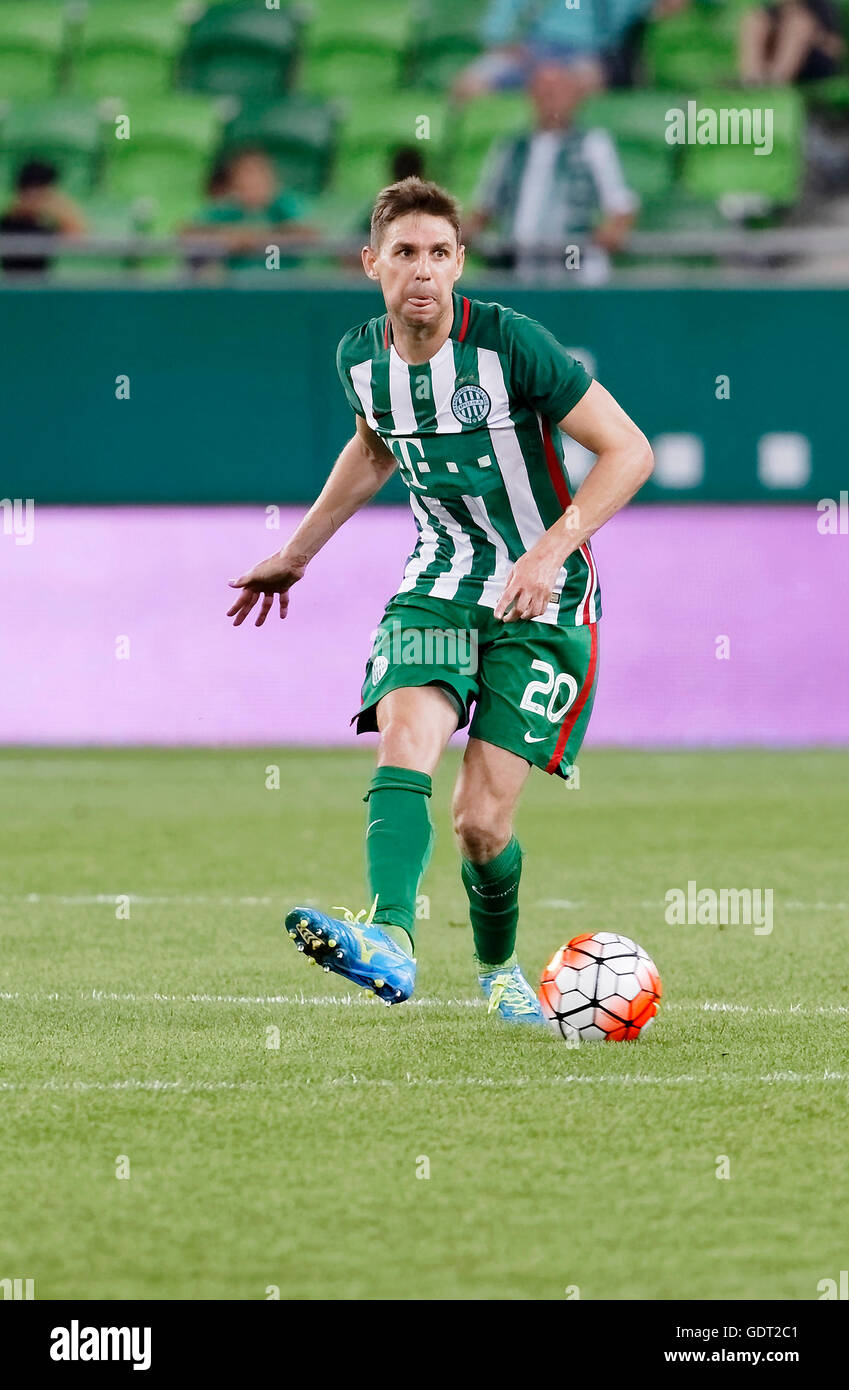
(299,133)
(636,119)
(353,52)
(126,52)
(336,214)
(711,172)
(337,22)
(172,143)
(372,133)
(439,43)
(364,74)
(481,125)
(242,50)
(677,211)
(492,118)
(66,132)
(169,180)
(179,121)
(466,169)
(693,49)
(635,115)
(398,123)
(32,38)
(649,172)
(831,94)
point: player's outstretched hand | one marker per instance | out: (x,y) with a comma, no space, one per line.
(276,575)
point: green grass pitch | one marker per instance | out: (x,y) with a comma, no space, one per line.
(254,1167)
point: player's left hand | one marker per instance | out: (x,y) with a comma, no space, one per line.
(276,575)
(529,587)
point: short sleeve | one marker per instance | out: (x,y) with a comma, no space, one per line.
(541,371)
(614,196)
(343,369)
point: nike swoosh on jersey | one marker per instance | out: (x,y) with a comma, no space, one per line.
(529,738)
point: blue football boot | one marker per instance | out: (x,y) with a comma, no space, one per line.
(511,996)
(354,949)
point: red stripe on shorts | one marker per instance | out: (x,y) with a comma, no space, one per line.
(572,717)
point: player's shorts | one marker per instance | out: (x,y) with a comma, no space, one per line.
(526,686)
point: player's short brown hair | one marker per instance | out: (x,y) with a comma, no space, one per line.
(412,195)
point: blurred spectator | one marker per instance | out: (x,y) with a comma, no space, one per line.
(247,207)
(793,41)
(595,40)
(39,208)
(555,187)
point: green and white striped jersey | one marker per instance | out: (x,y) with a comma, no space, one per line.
(475,432)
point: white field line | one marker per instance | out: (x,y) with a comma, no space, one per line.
(110,899)
(408,1081)
(188,899)
(652,905)
(364,1000)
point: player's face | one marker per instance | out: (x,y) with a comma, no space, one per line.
(417,265)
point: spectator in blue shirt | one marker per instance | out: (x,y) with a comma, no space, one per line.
(585,35)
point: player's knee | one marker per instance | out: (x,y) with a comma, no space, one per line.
(480,836)
(403,743)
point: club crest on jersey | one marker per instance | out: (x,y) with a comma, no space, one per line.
(470,404)
(380,666)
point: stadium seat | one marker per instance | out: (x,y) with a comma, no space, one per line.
(353,75)
(66,132)
(354,52)
(242,50)
(126,52)
(336,214)
(181,120)
(32,38)
(480,125)
(693,49)
(677,211)
(636,119)
(299,133)
(440,41)
(335,22)
(829,95)
(492,118)
(372,133)
(166,159)
(712,172)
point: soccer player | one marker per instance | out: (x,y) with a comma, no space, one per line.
(495,624)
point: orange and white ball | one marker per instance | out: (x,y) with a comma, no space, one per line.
(600,988)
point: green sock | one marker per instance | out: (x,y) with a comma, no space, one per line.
(399,839)
(493,891)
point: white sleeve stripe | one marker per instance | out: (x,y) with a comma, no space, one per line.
(361,382)
(600,153)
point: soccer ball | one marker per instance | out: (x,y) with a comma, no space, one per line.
(600,987)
